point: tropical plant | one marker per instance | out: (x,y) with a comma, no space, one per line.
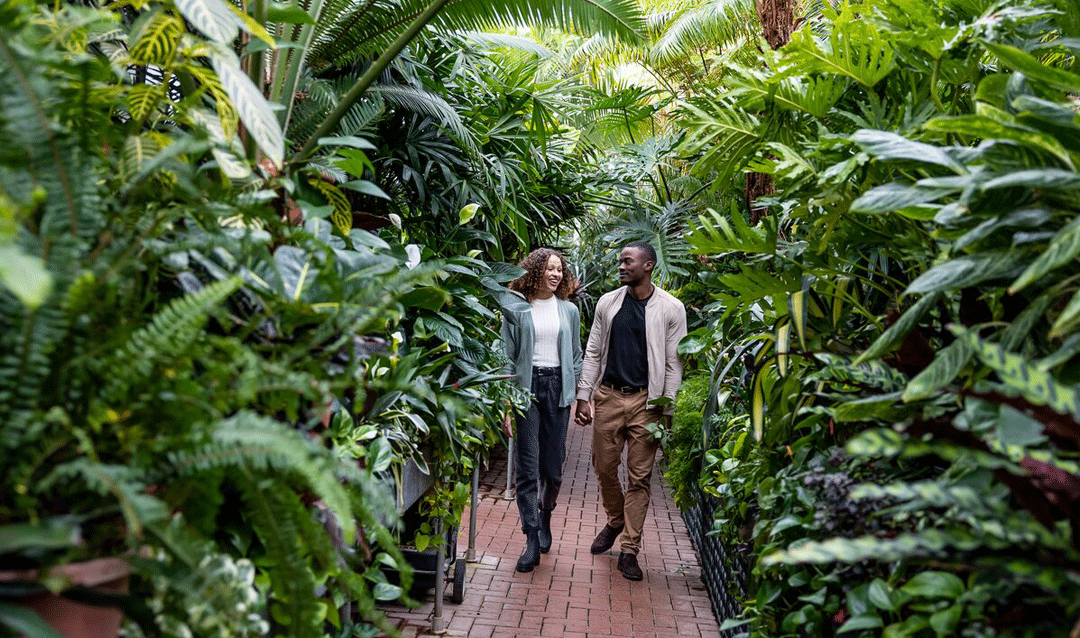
(921,186)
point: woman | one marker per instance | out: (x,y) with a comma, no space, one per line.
(541,334)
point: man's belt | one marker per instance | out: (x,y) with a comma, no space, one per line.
(624,389)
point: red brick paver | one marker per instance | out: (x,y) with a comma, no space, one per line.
(571,593)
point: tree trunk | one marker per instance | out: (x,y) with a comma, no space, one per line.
(777,22)
(757,185)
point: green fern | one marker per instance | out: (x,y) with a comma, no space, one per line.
(168,334)
(124,484)
(277,516)
(252,441)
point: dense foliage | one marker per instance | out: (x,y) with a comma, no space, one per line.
(208,367)
(901,326)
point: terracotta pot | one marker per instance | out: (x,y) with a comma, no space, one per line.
(73,619)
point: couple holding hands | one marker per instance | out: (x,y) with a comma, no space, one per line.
(630,359)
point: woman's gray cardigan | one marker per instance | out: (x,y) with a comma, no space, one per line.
(519,337)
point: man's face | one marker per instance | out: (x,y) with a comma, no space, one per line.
(634,266)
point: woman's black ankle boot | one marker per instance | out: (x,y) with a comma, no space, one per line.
(531,557)
(545,531)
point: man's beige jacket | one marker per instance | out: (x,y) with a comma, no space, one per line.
(665,326)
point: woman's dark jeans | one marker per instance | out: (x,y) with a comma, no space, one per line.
(541,448)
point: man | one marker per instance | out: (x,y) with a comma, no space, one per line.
(630,360)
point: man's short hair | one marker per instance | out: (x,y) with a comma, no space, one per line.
(645,247)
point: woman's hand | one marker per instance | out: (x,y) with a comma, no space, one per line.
(506,427)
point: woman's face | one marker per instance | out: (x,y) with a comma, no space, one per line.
(553,274)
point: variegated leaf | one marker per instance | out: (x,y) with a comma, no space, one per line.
(226,113)
(158,41)
(211,17)
(252,107)
(226,150)
(342,215)
(143,99)
(1035,384)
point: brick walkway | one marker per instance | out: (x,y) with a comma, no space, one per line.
(572,593)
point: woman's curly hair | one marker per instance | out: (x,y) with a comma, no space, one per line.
(535,264)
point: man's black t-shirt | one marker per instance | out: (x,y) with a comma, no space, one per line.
(627,362)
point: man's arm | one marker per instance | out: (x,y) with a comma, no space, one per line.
(590,366)
(590,370)
(676,330)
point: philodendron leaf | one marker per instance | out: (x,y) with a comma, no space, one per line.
(890,197)
(1033,68)
(1053,178)
(983,127)
(1015,371)
(966,270)
(934,585)
(251,106)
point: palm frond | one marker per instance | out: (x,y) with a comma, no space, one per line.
(352,30)
(715,23)
(507,41)
(426,103)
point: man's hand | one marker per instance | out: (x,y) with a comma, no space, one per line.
(584,413)
(507,430)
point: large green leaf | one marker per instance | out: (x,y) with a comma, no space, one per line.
(894,334)
(991,129)
(1033,68)
(855,49)
(967,270)
(251,106)
(946,365)
(1063,248)
(887,145)
(894,196)
(24,275)
(1052,178)
(934,585)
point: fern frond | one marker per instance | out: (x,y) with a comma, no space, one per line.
(126,484)
(276,516)
(256,442)
(169,333)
